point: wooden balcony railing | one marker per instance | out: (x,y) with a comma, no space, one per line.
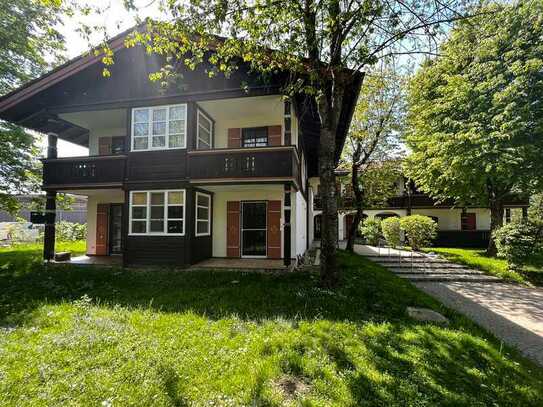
(344,201)
(81,172)
(241,163)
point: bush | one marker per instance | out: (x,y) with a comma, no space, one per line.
(517,241)
(392,231)
(371,230)
(420,230)
(70,232)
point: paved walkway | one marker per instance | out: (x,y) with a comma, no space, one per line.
(513,313)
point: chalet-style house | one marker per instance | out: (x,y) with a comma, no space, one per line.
(457,226)
(214,167)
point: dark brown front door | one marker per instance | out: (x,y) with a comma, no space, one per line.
(274,229)
(102,229)
(115,228)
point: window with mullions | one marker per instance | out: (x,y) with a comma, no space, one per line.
(254,137)
(205,132)
(157,212)
(159,127)
(203,214)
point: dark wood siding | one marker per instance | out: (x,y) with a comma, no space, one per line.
(157,165)
(164,250)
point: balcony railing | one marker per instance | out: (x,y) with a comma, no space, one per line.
(240,163)
(344,201)
(80,172)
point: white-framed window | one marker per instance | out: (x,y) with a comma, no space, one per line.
(203,214)
(159,127)
(204,136)
(157,212)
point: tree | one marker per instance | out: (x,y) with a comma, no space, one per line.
(475,113)
(29,44)
(373,142)
(323,44)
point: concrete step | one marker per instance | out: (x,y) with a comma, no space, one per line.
(431,277)
(429,266)
(416,270)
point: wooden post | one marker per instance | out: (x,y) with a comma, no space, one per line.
(50,207)
(286,229)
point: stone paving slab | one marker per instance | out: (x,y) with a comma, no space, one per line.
(437,266)
(511,312)
(416,270)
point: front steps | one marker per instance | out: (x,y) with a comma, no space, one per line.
(424,268)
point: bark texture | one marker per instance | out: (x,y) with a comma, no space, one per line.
(496,221)
(358,197)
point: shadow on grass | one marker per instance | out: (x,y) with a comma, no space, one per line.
(375,295)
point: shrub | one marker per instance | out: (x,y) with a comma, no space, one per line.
(420,230)
(69,232)
(517,241)
(392,231)
(371,230)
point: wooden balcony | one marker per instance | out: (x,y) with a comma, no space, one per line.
(84,172)
(244,164)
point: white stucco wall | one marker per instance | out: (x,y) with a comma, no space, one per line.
(247,112)
(300,225)
(450,219)
(94,198)
(95,134)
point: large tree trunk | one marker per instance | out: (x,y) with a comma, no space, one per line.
(496,221)
(357,199)
(329,233)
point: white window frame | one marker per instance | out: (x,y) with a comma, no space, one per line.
(150,109)
(148,214)
(196,219)
(206,117)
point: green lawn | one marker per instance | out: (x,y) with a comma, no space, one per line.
(111,337)
(477,258)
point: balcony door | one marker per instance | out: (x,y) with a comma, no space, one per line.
(253,229)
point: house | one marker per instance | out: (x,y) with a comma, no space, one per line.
(457,226)
(213,168)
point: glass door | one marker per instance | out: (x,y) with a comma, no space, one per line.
(253,229)
(115,228)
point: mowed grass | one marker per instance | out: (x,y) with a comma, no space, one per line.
(110,337)
(476,258)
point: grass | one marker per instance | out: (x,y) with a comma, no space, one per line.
(112,337)
(476,258)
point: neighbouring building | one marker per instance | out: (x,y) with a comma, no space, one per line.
(219,167)
(457,226)
(75,213)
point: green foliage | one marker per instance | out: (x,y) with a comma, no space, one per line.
(371,230)
(520,240)
(70,232)
(29,45)
(517,242)
(380,182)
(392,231)
(475,113)
(159,337)
(419,230)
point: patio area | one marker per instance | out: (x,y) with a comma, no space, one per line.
(108,261)
(241,264)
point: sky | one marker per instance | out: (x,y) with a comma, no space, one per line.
(115,20)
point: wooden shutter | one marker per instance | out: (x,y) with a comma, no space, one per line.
(234,138)
(104,145)
(468,221)
(274,229)
(232,229)
(102,229)
(274,135)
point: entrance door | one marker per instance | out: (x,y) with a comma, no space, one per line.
(253,229)
(115,228)
(348,225)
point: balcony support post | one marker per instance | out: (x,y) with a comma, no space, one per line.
(286,228)
(50,207)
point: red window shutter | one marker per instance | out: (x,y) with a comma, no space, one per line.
(274,135)
(234,138)
(468,221)
(102,217)
(274,229)
(232,229)
(104,145)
